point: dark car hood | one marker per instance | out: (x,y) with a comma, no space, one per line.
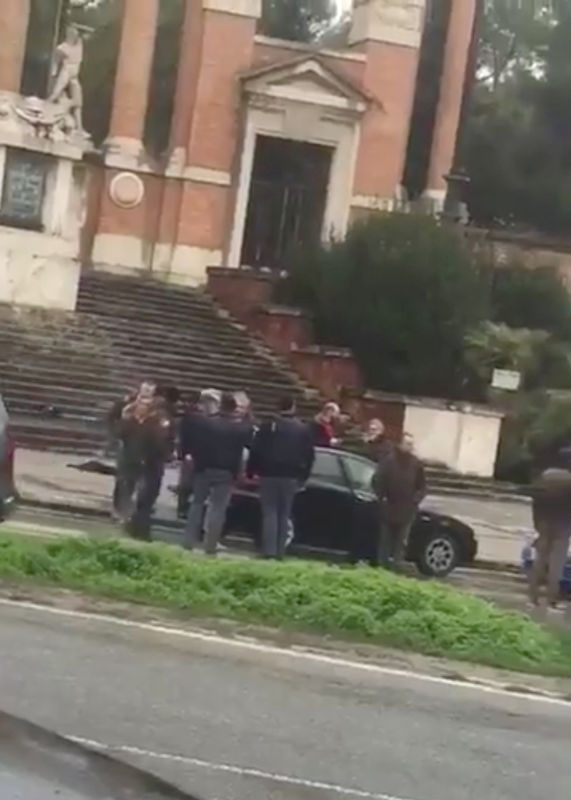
(38,765)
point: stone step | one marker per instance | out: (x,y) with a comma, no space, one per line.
(38,434)
(125,330)
(98,283)
(137,335)
(26,378)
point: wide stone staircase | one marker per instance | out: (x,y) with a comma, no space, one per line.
(60,372)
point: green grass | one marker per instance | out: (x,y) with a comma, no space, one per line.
(365,604)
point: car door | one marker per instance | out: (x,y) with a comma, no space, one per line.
(363,533)
(323,510)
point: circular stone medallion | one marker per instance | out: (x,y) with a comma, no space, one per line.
(127,190)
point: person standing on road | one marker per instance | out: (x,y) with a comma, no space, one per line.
(113,448)
(217,450)
(193,411)
(400,485)
(551,505)
(379,448)
(147,444)
(282,456)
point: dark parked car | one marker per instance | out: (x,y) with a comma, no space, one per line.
(338,503)
(7,488)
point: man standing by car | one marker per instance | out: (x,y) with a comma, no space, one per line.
(551,498)
(282,456)
(147,444)
(400,484)
(216,448)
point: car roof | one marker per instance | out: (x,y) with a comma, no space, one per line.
(346,453)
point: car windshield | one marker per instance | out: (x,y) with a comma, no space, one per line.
(361,472)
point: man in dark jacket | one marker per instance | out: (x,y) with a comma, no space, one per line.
(282,456)
(400,484)
(216,447)
(199,404)
(147,437)
(551,498)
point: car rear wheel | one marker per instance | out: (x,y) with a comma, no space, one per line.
(439,555)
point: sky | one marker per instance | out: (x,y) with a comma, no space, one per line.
(344,5)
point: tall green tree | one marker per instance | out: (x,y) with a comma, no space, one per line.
(514,37)
(518,139)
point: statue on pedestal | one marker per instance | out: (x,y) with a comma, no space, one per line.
(59,117)
(67,87)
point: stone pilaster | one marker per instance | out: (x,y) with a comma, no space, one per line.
(14,16)
(389,33)
(130,97)
(456,54)
(212,135)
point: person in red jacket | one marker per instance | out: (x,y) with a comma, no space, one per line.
(323,426)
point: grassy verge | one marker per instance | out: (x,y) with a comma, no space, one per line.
(358,603)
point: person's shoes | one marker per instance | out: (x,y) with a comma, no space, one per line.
(557,608)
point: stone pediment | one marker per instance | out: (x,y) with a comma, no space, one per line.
(306,80)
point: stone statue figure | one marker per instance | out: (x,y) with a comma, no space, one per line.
(59,117)
(67,87)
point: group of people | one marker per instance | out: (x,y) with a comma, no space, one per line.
(216,441)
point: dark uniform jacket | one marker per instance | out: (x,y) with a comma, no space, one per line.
(282,448)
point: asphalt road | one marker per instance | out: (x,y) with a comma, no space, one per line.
(231,722)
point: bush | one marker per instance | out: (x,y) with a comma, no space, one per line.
(402,291)
(542,360)
(532,298)
(365,603)
(538,424)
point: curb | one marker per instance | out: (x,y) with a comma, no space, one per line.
(443,491)
(264,639)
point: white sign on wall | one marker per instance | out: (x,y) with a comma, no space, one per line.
(506,379)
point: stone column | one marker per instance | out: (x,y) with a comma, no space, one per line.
(127,210)
(132,79)
(206,138)
(186,83)
(452,83)
(15,15)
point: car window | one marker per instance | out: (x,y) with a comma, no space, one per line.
(327,469)
(360,473)
(3,425)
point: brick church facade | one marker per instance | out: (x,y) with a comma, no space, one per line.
(272,143)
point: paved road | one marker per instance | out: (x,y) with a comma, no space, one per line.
(230,723)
